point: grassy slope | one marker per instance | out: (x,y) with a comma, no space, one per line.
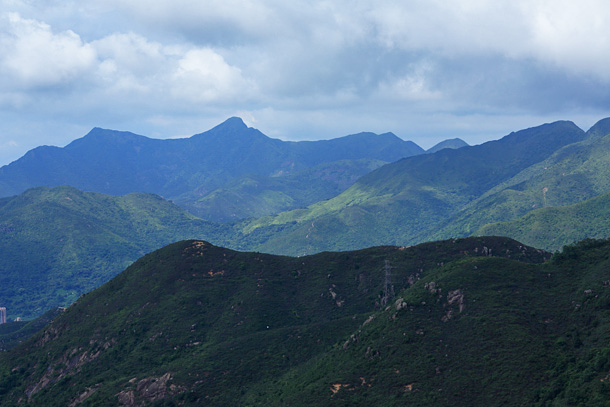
(552,228)
(573,174)
(256,196)
(217,321)
(58,243)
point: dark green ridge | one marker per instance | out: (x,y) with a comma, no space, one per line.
(475,332)
(210,325)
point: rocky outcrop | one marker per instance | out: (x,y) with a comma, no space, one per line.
(148,390)
(455,300)
(84,396)
(69,363)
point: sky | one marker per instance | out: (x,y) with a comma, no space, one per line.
(426,70)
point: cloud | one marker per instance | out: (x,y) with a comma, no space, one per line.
(33,56)
(569,35)
(573,36)
(210,22)
(127,67)
(203,75)
(183,75)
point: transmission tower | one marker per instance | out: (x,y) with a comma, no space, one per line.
(388,288)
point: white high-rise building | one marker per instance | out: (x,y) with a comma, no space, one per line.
(2,315)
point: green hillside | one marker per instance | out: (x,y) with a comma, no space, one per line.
(195,324)
(475,332)
(13,333)
(58,243)
(552,228)
(254,196)
(467,322)
(572,174)
(397,202)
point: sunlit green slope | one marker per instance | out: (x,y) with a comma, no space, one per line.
(58,243)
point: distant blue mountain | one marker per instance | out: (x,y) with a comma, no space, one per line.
(187,170)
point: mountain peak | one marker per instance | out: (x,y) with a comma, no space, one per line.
(233,123)
(233,126)
(98,132)
(453,143)
(600,129)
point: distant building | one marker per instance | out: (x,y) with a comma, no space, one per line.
(2,315)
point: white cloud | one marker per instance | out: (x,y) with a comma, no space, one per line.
(412,86)
(130,63)
(203,75)
(573,35)
(33,56)
(119,68)
(131,51)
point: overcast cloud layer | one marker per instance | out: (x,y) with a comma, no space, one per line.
(426,70)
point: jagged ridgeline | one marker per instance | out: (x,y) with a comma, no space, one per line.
(468,322)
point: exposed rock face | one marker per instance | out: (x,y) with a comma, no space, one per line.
(84,396)
(70,363)
(127,398)
(400,304)
(148,390)
(455,299)
(431,287)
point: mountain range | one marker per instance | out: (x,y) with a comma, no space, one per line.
(572,174)
(408,201)
(195,171)
(366,314)
(58,243)
(463,322)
